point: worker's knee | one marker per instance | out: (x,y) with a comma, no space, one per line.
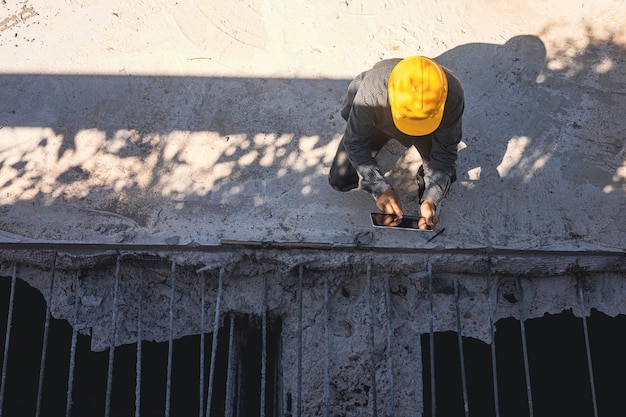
(342,184)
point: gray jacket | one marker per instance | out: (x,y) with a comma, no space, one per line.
(367,112)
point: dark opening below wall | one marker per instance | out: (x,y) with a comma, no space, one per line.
(91,370)
(559,371)
(556,347)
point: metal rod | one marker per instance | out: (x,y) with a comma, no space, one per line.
(327,363)
(588,348)
(278,392)
(202,332)
(216,328)
(371,339)
(459,332)
(390,361)
(5,358)
(139,338)
(264,348)
(230,373)
(70,377)
(492,293)
(240,382)
(170,349)
(299,377)
(107,402)
(522,319)
(44,347)
(431,327)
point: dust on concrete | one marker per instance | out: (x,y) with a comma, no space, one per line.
(196,123)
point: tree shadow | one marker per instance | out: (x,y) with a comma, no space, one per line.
(135,146)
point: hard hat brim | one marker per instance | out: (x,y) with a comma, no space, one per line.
(419,127)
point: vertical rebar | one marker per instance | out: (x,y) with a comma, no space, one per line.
(5,358)
(299,377)
(278,392)
(371,339)
(44,347)
(492,295)
(390,362)
(431,331)
(230,370)
(170,349)
(522,319)
(216,328)
(107,402)
(264,348)
(70,377)
(240,382)
(202,332)
(327,363)
(459,332)
(139,338)
(587,347)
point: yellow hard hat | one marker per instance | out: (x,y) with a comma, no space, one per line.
(418,89)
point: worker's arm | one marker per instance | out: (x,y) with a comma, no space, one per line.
(441,169)
(359,129)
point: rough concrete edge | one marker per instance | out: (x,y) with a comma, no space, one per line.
(324,257)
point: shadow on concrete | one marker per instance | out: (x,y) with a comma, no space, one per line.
(536,124)
(535,107)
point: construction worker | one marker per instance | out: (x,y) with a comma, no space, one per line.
(415,101)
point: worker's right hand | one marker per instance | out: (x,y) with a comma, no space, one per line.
(389,203)
(429,214)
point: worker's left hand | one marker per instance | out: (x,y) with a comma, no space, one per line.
(428,213)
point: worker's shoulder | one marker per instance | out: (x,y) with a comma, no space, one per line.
(370,84)
(454,85)
(449,72)
(379,73)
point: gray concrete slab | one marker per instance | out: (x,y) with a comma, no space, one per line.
(178,123)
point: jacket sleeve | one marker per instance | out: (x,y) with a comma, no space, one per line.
(359,130)
(441,170)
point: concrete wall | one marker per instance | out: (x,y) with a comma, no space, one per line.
(353,319)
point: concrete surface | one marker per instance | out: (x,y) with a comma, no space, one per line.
(189,122)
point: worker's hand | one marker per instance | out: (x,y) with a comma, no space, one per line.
(428,213)
(389,203)
(421,224)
